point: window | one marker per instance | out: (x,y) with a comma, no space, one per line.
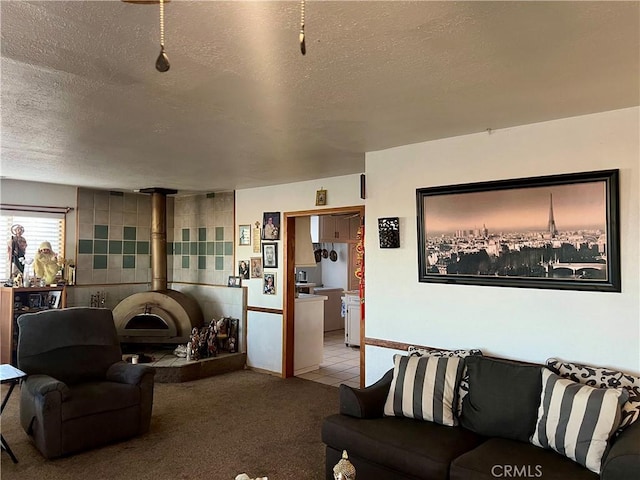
(38,227)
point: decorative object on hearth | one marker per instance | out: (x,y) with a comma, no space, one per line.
(344,469)
(389,232)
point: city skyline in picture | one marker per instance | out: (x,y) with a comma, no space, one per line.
(580,206)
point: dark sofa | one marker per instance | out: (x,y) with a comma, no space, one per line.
(396,448)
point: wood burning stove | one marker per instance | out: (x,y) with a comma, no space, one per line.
(160,315)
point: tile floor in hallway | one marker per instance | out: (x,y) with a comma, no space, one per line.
(341,364)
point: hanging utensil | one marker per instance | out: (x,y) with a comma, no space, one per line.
(325,253)
(333,255)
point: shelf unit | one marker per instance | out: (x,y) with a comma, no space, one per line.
(16,301)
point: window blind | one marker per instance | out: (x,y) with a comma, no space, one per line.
(38,227)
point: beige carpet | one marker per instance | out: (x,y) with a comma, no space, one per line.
(212,429)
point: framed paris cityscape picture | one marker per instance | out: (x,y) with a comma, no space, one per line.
(559,231)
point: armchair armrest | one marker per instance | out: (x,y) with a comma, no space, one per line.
(41,385)
(123,372)
(365,402)
(623,460)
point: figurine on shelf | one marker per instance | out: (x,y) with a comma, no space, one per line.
(17,249)
(45,265)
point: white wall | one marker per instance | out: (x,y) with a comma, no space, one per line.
(264,330)
(521,323)
(18,192)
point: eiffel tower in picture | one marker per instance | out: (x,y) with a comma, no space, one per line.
(552,223)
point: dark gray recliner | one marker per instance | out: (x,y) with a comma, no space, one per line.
(79,394)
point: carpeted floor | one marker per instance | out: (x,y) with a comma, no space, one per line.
(213,429)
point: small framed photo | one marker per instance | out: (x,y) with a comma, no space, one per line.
(243,269)
(270,255)
(269,284)
(271,226)
(35,300)
(321,198)
(244,234)
(255,267)
(53,299)
(234,281)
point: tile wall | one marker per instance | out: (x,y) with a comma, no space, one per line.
(114,231)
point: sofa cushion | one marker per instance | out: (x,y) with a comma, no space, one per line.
(577,420)
(503,398)
(417,449)
(501,458)
(463,386)
(602,377)
(424,388)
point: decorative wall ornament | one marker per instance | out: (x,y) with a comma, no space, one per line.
(321,197)
(389,232)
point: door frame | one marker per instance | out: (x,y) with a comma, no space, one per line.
(290,285)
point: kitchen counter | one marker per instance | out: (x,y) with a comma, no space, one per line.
(308,333)
(333,319)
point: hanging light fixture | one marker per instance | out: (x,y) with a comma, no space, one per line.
(162,62)
(303,46)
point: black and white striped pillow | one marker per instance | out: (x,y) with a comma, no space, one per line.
(424,388)
(577,420)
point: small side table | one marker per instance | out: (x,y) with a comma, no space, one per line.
(11,375)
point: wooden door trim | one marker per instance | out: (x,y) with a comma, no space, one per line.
(289,237)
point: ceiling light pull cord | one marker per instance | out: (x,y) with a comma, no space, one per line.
(303,47)
(162,62)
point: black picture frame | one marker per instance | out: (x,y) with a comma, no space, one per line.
(556,232)
(234,281)
(270,226)
(269,255)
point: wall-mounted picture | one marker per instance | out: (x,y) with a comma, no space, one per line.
(559,232)
(234,281)
(255,265)
(270,255)
(271,226)
(269,284)
(321,198)
(244,234)
(243,269)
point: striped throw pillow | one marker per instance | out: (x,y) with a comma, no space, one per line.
(577,420)
(424,388)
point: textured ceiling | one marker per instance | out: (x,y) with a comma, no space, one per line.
(82,103)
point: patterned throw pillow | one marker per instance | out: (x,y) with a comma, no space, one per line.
(463,388)
(424,388)
(577,420)
(601,377)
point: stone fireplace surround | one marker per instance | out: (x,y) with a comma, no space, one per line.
(215,301)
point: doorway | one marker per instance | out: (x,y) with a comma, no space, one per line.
(290,287)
